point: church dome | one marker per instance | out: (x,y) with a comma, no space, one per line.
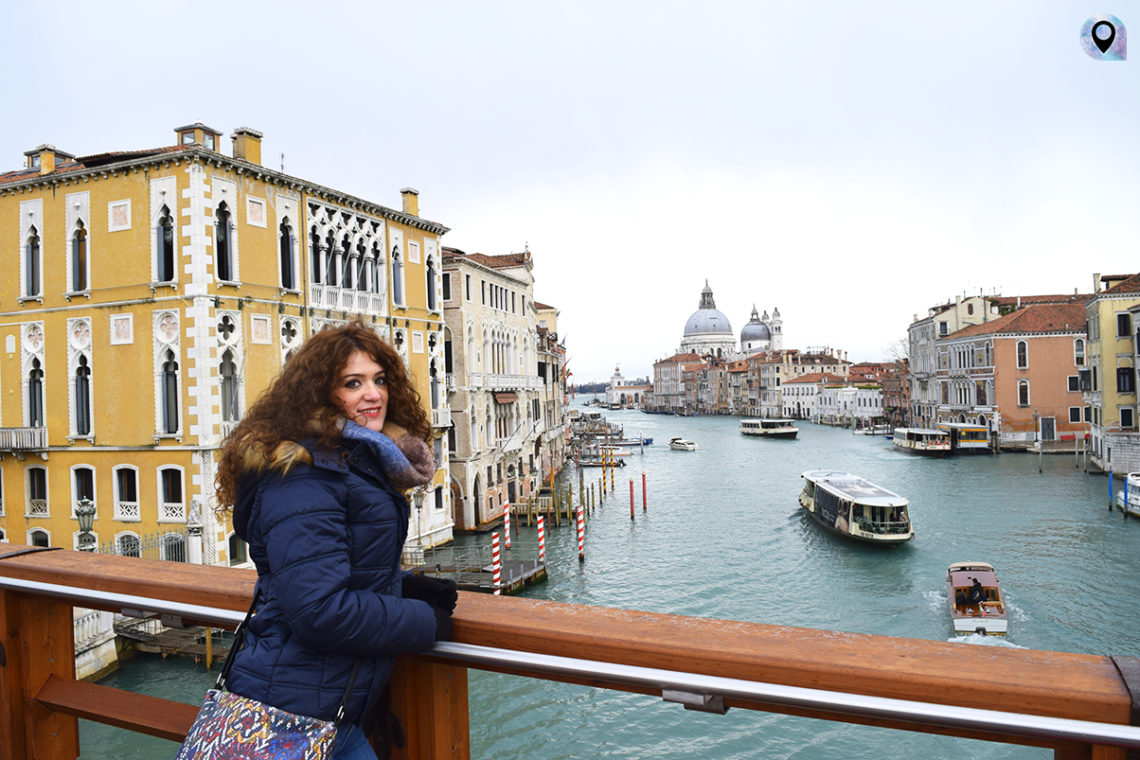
(755,330)
(707,319)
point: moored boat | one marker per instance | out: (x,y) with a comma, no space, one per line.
(966,438)
(682,444)
(930,443)
(768,427)
(976,603)
(1128,499)
(854,507)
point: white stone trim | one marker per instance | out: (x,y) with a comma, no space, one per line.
(121,209)
(79,345)
(31,215)
(163,192)
(77,208)
(167,337)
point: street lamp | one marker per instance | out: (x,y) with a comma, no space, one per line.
(85,513)
(418,499)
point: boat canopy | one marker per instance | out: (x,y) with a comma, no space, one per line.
(854,488)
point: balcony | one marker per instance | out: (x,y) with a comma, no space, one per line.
(172,511)
(22,439)
(1077,705)
(440,418)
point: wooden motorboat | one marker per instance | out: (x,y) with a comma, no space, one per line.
(976,603)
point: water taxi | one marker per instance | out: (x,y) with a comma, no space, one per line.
(976,603)
(682,444)
(966,438)
(1128,500)
(769,428)
(924,441)
(856,508)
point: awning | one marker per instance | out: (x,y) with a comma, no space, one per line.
(506,398)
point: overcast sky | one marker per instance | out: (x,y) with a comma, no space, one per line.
(851,163)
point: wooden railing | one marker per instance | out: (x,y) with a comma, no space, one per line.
(40,698)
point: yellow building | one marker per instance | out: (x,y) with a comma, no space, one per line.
(148,296)
(1110,379)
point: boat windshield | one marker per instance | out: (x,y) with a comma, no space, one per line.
(882,519)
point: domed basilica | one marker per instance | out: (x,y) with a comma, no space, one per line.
(709,333)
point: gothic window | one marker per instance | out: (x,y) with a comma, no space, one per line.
(363,281)
(434,386)
(228,373)
(346,262)
(1022,354)
(164,238)
(223,237)
(374,269)
(32,264)
(79,258)
(83,397)
(1079,352)
(315,256)
(288,281)
(431,284)
(397,277)
(169,393)
(36,395)
(331,269)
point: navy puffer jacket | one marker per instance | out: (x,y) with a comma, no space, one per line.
(326,539)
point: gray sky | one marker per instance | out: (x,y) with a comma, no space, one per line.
(850,163)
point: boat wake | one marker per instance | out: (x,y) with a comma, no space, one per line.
(980,639)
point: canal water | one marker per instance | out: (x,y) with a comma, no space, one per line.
(725,538)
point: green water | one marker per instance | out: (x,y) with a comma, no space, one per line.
(725,538)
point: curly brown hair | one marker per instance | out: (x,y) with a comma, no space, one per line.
(299,402)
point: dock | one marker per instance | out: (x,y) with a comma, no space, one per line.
(470,567)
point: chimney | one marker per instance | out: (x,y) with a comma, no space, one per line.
(411,198)
(44,157)
(1096,282)
(247,144)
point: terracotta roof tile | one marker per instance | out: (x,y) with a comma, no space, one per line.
(1035,318)
(818,377)
(1130,285)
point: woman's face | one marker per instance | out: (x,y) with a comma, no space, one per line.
(362,391)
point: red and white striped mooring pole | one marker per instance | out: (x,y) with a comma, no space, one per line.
(507,524)
(496,564)
(581,534)
(541,541)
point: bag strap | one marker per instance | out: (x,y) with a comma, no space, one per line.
(239,637)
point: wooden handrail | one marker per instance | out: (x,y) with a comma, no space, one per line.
(1082,687)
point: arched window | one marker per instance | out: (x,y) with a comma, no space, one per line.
(362,271)
(397,277)
(171,506)
(331,269)
(315,256)
(1079,352)
(32,264)
(37,492)
(286,246)
(1022,354)
(346,262)
(126,493)
(39,538)
(128,545)
(434,386)
(164,249)
(84,484)
(228,372)
(373,269)
(36,395)
(431,284)
(83,398)
(1023,393)
(170,394)
(172,547)
(79,258)
(223,234)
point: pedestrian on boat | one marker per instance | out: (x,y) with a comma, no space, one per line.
(977,594)
(314,475)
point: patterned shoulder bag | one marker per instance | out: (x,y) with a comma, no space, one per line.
(230,726)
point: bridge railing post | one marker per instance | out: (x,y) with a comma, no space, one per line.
(37,639)
(430,701)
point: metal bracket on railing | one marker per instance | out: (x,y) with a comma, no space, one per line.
(710,703)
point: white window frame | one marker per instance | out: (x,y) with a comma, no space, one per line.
(120,514)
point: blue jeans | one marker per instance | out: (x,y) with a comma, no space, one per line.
(352,744)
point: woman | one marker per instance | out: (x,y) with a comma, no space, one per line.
(314,474)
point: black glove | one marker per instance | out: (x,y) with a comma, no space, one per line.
(438,592)
(442,623)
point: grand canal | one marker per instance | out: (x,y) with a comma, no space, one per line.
(723,537)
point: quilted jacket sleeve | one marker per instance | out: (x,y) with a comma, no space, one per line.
(308,547)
